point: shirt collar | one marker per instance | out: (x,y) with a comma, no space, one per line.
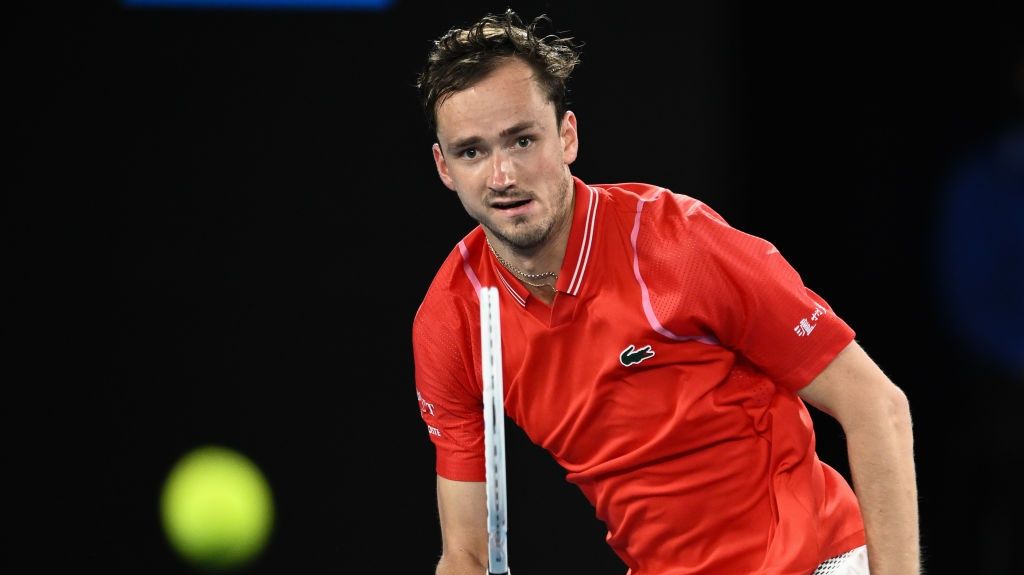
(577,251)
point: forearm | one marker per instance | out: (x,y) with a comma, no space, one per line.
(882,464)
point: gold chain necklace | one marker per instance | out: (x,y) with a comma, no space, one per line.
(523,275)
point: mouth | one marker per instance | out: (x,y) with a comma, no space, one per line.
(507,205)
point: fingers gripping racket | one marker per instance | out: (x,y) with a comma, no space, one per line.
(494,432)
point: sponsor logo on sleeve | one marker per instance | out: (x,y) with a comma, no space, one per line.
(807,324)
(427,408)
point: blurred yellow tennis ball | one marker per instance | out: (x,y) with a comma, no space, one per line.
(217,508)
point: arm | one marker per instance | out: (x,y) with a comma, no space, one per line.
(463,509)
(875,418)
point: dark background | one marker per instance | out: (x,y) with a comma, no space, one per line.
(222,223)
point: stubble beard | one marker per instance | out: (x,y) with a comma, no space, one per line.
(526,239)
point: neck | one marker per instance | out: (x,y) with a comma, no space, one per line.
(533,279)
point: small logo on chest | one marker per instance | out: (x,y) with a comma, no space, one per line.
(631,355)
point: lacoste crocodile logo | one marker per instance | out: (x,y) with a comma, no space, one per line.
(631,355)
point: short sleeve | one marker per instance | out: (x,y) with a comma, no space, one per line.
(450,400)
(738,288)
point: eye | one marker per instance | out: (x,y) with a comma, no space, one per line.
(524,141)
(468,153)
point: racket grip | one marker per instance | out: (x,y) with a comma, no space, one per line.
(509,572)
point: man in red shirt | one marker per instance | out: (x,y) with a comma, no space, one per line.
(661,356)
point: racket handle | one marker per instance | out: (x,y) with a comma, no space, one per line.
(509,572)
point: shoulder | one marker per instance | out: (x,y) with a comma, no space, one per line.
(452,293)
(659,209)
(654,200)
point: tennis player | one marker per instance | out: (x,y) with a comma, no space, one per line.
(661,356)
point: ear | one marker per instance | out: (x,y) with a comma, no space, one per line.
(442,167)
(570,138)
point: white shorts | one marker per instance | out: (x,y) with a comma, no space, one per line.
(853,562)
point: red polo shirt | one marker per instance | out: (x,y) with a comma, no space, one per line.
(663,378)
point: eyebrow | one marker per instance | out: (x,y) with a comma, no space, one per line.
(474,140)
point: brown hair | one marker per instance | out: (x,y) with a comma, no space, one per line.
(463,57)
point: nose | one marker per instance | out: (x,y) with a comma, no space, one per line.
(502,172)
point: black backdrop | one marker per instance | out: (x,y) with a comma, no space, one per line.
(222,223)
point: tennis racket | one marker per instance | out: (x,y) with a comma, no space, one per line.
(494,432)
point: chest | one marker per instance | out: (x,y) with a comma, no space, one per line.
(605,378)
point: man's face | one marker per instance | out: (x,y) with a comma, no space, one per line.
(500,149)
